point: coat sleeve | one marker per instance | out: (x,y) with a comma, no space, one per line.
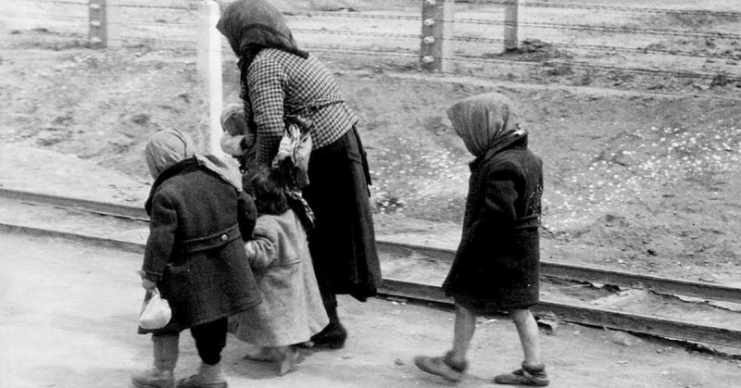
(262,249)
(246,215)
(500,194)
(266,95)
(162,226)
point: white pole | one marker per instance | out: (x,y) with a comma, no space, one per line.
(209,70)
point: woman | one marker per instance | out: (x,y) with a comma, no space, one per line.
(195,256)
(280,80)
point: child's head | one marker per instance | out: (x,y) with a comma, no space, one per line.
(238,138)
(481,120)
(233,120)
(166,148)
(268,189)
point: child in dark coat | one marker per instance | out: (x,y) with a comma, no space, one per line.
(496,267)
(195,256)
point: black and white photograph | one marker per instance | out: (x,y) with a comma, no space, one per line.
(370,193)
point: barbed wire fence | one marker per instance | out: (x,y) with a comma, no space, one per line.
(489,38)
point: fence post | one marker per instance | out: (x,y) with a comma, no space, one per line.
(437,34)
(513,12)
(209,70)
(97,26)
(113,23)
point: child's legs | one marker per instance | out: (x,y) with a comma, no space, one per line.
(210,340)
(527,329)
(465,326)
(166,350)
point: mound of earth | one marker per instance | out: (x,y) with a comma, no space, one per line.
(642,182)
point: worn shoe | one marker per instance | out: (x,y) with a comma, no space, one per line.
(261,354)
(331,337)
(208,376)
(528,375)
(154,378)
(442,366)
(165,349)
(287,358)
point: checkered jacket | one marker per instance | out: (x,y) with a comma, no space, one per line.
(279,83)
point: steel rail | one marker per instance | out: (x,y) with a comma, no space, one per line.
(568,312)
(660,285)
(105,208)
(589,316)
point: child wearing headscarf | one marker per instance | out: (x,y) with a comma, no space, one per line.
(278,252)
(496,266)
(279,81)
(195,256)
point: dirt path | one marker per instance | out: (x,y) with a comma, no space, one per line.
(67,319)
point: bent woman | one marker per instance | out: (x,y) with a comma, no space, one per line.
(280,80)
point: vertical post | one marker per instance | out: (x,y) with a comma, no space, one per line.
(513,12)
(113,23)
(97,36)
(209,70)
(437,34)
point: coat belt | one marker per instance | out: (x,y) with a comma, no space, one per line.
(213,241)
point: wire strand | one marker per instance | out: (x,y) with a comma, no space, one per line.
(612,8)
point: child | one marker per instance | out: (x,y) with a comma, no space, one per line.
(238,138)
(194,256)
(278,252)
(496,266)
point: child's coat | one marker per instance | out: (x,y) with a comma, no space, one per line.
(292,309)
(497,263)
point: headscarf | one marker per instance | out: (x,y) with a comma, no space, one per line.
(485,122)
(251,25)
(167,147)
(170,146)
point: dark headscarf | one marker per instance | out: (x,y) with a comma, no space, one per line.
(486,123)
(251,25)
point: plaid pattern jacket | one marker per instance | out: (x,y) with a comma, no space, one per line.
(279,84)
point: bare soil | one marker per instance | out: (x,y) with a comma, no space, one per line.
(642,182)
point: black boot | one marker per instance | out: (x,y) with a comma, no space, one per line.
(331,337)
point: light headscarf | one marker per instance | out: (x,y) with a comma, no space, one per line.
(170,146)
(485,122)
(167,147)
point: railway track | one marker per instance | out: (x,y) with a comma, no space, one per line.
(416,272)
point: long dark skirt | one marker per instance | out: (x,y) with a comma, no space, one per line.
(343,243)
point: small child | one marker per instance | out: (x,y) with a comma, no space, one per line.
(194,256)
(278,252)
(496,267)
(238,139)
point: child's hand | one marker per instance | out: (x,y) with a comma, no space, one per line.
(146,283)
(232,145)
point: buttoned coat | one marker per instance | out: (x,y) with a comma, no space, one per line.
(292,309)
(195,251)
(496,266)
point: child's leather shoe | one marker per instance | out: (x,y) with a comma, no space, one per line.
(442,366)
